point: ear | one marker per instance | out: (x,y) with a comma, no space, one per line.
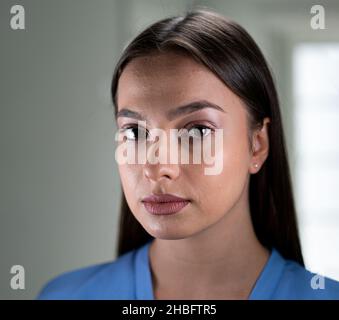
(260,147)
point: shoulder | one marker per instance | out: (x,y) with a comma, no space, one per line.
(109,280)
(296,282)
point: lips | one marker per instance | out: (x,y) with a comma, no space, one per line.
(164,203)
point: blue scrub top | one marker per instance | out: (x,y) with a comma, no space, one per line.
(129,277)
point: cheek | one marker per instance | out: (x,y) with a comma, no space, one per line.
(129,176)
(218,193)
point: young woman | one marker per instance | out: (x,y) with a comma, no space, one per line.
(185,234)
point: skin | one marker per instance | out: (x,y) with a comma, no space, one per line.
(209,249)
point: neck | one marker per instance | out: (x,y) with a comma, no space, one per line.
(226,256)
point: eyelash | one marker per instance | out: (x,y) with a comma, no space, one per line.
(200,126)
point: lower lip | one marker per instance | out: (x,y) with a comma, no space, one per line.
(165,208)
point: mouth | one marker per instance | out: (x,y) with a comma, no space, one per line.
(164,204)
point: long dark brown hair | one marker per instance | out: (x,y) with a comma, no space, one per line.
(232,55)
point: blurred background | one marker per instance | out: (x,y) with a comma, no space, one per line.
(59,184)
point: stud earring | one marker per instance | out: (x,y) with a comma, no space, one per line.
(256,165)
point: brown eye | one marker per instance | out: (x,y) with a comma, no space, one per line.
(199,131)
(134,133)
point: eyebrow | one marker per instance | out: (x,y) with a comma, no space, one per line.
(175,113)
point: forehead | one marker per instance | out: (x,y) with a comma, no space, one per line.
(167,78)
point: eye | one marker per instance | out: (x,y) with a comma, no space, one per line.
(134,133)
(199,131)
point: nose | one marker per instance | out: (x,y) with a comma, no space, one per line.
(158,171)
(155,170)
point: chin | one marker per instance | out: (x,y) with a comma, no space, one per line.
(168,232)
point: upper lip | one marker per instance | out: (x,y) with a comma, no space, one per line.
(163,198)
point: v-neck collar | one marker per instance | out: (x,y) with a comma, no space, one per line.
(263,289)
(269,277)
(142,271)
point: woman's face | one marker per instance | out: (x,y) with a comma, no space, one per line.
(155,85)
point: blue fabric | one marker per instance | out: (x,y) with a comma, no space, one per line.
(129,277)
